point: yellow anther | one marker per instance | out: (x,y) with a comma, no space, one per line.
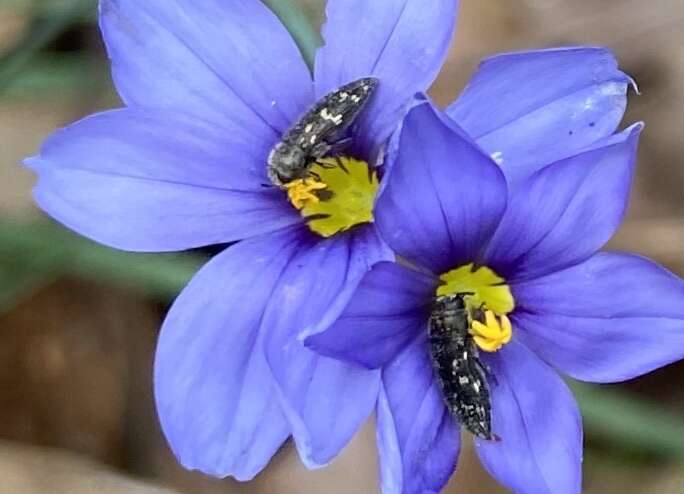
(488,298)
(302,191)
(493,333)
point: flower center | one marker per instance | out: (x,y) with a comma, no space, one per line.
(338,194)
(304,190)
(488,299)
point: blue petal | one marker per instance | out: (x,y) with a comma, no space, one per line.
(611,318)
(325,400)
(213,387)
(565,212)
(532,108)
(227,61)
(403,43)
(536,417)
(388,310)
(443,198)
(157,181)
(418,441)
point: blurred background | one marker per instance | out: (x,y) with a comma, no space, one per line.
(78,322)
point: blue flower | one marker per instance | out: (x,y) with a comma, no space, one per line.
(209,88)
(520,244)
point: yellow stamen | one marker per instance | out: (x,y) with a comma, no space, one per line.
(348,199)
(487,294)
(303,190)
(493,333)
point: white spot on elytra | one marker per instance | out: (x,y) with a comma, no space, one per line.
(326,115)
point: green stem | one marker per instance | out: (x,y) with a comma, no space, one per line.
(296,22)
(42,32)
(634,424)
(46,248)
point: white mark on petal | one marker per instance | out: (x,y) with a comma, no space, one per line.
(613,89)
(497,156)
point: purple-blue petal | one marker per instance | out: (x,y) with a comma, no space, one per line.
(539,425)
(222,60)
(325,400)
(565,212)
(403,43)
(610,318)
(418,440)
(444,196)
(528,109)
(157,181)
(214,390)
(388,310)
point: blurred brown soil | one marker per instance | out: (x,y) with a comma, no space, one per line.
(31,470)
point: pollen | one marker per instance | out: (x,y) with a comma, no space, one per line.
(488,298)
(343,191)
(302,191)
(492,333)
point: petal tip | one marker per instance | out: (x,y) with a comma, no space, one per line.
(33,162)
(636,128)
